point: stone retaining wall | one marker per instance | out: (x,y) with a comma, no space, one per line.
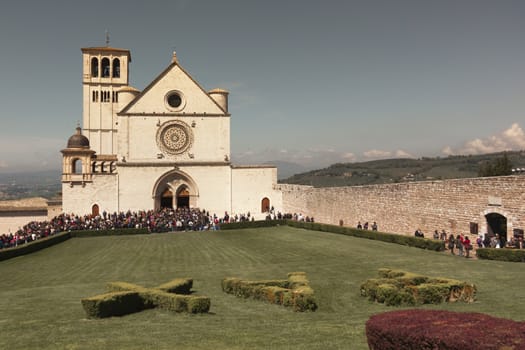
(401,208)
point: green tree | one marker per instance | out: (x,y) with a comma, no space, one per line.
(498,167)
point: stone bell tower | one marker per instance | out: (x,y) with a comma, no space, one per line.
(105,71)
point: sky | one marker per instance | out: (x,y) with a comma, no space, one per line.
(310,82)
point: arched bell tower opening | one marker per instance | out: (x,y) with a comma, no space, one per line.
(175,189)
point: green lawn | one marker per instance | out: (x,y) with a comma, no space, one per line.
(40,293)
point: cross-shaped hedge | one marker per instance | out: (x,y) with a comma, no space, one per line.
(125,298)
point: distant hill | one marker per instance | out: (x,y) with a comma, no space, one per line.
(287,169)
(400,170)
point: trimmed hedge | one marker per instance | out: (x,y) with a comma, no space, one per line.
(252,224)
(501,254)
(177,286)
(34,246)
(423,243)
(294,292)
(434,329)
(112,232)
(396,287)
(113,304)
(124,298)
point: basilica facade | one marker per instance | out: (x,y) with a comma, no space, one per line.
(167,146)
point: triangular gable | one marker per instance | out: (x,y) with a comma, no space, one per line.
(152,100)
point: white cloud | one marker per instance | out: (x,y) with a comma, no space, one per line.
(349,156)
(402,154)
(377,154)
(515,136)
(448,151)
(511,139)
(3,164)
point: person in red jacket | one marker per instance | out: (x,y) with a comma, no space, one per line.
(467,246)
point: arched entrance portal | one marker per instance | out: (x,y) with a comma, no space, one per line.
(183,198)
(497,224)
(166,200)
(175,189)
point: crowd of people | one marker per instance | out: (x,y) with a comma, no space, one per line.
(365,226)
(194,219)
(163,220)
(461,242)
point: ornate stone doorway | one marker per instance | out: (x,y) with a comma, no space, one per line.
(175,189)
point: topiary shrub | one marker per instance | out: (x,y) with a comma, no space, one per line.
(251,224)
(434,329)
(113,304)
(294,292)
(397,287)
(125,298)
(514,255)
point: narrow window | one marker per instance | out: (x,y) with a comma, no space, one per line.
(116,68)
(105,67)
(105,96)
(94,67)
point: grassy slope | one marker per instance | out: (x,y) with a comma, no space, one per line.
(40,293)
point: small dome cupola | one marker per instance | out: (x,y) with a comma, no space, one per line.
(78,140)
(221,98)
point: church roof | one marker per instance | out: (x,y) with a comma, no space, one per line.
(106,49)
(128,89)
(174,63)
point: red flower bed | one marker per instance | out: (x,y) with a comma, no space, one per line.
(430,329)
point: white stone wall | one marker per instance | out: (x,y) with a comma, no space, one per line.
(12,223)
(211,139)
(214,184)
(79,199)
(250,185)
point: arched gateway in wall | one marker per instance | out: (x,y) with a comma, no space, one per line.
(496,221)
(175,189)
